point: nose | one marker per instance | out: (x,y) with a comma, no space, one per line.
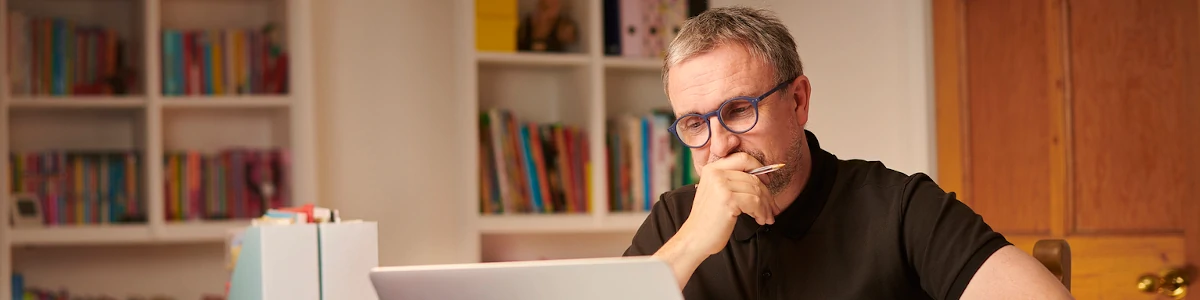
(721,142)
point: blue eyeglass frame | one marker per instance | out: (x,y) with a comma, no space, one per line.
(753,102)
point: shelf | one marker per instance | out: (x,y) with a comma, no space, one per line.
(246,101)
(182,232)
(641,64)
(560,223)
(533,59)
(208,231)
(77,102)
(82,235)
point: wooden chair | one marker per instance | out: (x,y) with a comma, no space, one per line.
(1056,256)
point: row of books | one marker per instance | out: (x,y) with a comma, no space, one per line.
(235,183)
(54,56)
(81,187)
(21,291)
(644,28)
(532,168)
(221,62)
(645,161)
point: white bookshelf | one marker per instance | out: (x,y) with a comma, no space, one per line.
(533,59)
(638,64)
(153,124)
(583,88)
(82,235)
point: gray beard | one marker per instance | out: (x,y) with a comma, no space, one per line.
(792,160)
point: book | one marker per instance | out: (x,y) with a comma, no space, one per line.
(644,161)
(57,56)
(528,167)
(234,183)
(81,187)
(222,62)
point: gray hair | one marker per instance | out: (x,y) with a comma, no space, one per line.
(756,29)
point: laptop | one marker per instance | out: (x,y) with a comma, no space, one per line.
(594,278)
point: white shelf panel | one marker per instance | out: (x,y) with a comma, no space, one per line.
(78,102)
(247,101)
(560,223)
(82,235)
(641,64)
(208,231)
(533,59)
(184,232)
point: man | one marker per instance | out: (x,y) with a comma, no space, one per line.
(820,227)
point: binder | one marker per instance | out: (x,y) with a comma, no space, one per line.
(306,262)
(633,29)
(612,27)
(277,262)
(348,253)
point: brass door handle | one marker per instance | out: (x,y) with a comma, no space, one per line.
(1172,282)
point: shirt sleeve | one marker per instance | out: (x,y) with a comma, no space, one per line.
(945,241)
(655,231)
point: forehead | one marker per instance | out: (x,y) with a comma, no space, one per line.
(700,84)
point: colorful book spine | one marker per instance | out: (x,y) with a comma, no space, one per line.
(55,56)
(221,62)
(531,168)
(78,188)
(644,161)
(224,185)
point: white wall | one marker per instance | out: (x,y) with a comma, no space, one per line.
(386,117)
(386,111)
(871,67)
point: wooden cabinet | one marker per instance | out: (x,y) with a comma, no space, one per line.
(1076,120)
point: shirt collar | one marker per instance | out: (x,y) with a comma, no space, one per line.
(797,218)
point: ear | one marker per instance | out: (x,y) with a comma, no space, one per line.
(801,93)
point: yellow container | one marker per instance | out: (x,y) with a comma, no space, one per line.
(496,34)
(496,9)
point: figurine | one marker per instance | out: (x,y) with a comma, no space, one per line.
(275,76)
(547,29)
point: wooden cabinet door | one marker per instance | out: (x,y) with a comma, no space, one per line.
(1080,120)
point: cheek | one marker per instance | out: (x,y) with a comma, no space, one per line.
(699,158)
(771,136)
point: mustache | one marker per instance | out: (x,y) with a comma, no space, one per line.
(757,155)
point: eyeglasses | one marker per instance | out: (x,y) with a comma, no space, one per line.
(738,115)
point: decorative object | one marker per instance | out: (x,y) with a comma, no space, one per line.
(547,29)
(26,211)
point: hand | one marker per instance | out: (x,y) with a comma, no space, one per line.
(726,191)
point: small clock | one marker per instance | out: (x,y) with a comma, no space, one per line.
(26,211)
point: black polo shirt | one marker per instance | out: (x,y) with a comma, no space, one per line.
(858,231)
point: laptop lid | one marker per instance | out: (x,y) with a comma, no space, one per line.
(594,278)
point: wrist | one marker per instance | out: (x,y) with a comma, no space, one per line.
(684,248)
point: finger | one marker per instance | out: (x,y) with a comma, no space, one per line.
(751,204)
(761,188)
(775,206)
(739,161)
(745,187)
(739,176)
(739,182)
(774,209)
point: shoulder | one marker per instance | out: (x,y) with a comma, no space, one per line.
(865,175)
(880,187)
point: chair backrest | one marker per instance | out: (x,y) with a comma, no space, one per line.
(1056,256)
